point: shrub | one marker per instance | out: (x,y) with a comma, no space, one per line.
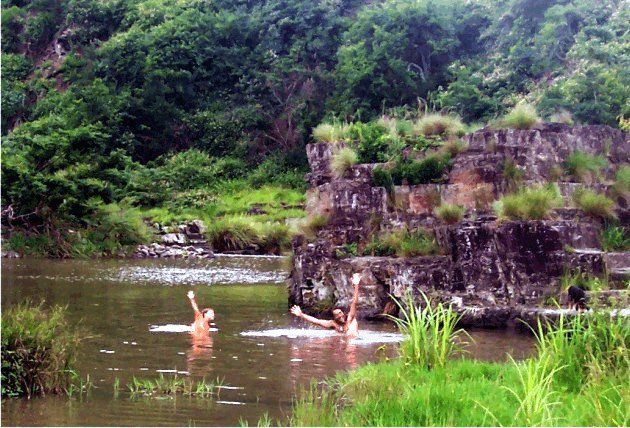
(529,204)
(428,170)
(439,124)
(328,133)
(232,234)
(453,147)
(39,349)
(622,180)
(372,141)
(615,238)
(116,226)
(594,204)
(342,161)
(522,116)
(382,178)
(450,214)
(584,167)
(512,174)
(275,238)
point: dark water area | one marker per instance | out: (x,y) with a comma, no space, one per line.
(120,301)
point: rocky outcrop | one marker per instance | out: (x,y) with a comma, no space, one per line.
(491,270)
(185,241)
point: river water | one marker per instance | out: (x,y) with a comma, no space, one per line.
(136,312)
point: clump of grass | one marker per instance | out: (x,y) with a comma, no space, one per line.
(402,243)
(583,280)
(533,203)
(274,238)
(429,333)
(39,349)
(522,116)
(342,160)
(594,204)
(562,116)
(584,167)
(430,169)
(621,187)
(328,133)
(454,146)
(615,238)
(450,214)
(172,385)
(232,234)
(438,124)
(512,173)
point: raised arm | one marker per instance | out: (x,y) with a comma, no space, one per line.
(356,280)
(191,296)
(296,311)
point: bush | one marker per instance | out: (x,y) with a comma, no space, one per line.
(39,349)
(615,238)
(522,116)
(342,161)
(275,238)
(372,141)
(622,180)
(382,178)
(453,147)
(562,116)
(594,204)
(439,124)
(429,169)
(529,204)
(584,167)
(450,214)
(232,234)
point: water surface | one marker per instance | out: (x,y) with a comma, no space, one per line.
(258,350)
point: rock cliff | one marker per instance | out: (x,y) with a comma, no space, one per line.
(492,270)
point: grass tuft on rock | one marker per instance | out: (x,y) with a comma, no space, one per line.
(535,203)
(522,116)
(39,350)
(615,238)
(450,214)
(594,204)
(583,167)
(436,124)
(342,160)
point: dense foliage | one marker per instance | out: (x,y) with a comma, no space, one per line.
(156,103)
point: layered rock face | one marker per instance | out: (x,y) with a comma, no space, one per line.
(490,270)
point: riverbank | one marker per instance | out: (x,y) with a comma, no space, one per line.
(235,218)
(578,377)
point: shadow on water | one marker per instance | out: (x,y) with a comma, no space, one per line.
(138,314)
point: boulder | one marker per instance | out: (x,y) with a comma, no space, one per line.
(174,238)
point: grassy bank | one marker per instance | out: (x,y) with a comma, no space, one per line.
(39,349)
(578,377)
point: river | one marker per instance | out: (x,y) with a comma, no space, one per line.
(134,311)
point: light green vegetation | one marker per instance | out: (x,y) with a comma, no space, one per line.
(440,124)
(584,167)
(173,385)
(615,238)
(584,280)
(577,377)
(534,203)
(39,349)
(562,116)
(402,243)
(594,204)
(450,214)
(522,116)
(342,160)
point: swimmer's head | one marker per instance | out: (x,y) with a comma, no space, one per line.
(339,316)
(208,314)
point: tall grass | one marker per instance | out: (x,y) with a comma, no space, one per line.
(430,334)
(594,204)
(39,349)
(439,124)
(231,234)
(615,238)
(522,116)
(450,214)
(173,385)
(342,160)
(402,243)
(533,203)
(584,167)
(329,133)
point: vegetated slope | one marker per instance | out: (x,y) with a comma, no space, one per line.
(155,103)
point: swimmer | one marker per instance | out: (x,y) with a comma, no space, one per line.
(340,322)
(202,318)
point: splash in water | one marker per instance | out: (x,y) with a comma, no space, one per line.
(366,337)
(173,328)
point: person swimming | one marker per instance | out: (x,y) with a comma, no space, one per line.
(202,318)
(340,322)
